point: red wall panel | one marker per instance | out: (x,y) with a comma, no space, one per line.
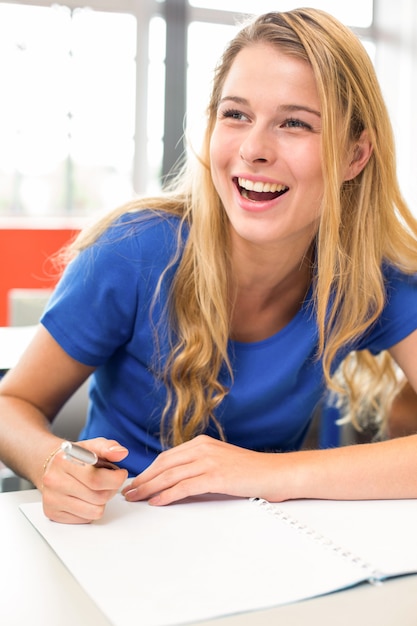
(25,260)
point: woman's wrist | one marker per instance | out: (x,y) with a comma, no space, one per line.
(49,460)
(45,457)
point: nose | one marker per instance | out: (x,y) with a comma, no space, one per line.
(258,146)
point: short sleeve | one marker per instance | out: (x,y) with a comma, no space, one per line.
(105,293)
(399,317)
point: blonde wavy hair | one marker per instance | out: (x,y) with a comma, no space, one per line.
(364,222)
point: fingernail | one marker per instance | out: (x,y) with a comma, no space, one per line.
(117,449)
(130,493)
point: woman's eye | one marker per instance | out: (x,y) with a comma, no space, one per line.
(294,123)
(233,114)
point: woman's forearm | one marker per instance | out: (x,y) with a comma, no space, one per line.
(25,438)
(363,471)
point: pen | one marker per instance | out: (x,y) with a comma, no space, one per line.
(82,456)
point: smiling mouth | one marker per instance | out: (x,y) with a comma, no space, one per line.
(259,191)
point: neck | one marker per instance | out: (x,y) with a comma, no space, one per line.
(262,268)
(266,295)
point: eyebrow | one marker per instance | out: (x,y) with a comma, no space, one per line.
(285,108)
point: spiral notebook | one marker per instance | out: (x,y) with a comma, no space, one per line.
(214,556)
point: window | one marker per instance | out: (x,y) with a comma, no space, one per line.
(155,103)
(67,112)
(206,42)
(355,12)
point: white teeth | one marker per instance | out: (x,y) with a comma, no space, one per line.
(259,186)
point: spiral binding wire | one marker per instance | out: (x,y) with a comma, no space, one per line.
(374,576)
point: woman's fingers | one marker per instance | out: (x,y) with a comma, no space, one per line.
(203,465)
(70,510)
(108,449)
(83,498)
(74,493)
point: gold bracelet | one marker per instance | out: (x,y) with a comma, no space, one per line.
(49,459)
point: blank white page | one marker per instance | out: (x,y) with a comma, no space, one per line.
(382,532)
(195,560)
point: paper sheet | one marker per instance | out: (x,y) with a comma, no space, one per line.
(196,560)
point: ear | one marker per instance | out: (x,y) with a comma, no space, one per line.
(359,155)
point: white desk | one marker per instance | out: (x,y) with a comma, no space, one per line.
(36,589)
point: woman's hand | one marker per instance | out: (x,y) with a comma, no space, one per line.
(78,494)
(206,465)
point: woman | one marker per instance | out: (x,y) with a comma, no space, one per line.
(215,318)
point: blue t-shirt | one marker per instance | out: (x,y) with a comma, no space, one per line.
(103,313)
